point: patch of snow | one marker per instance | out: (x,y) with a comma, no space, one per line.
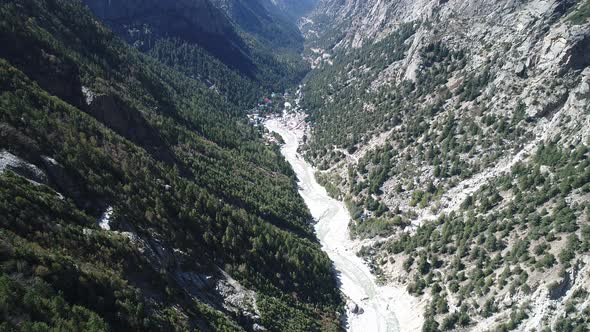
(258,327)
(89,95)
(104,221)
(50,160)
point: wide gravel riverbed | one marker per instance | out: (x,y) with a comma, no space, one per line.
(357,282)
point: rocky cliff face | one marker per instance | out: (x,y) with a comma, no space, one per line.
(431,119)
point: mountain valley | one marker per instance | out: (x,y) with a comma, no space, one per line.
(279,165)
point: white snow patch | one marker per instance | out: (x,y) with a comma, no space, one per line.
(104,221)
(89,95)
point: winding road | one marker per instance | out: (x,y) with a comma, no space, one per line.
(356,279)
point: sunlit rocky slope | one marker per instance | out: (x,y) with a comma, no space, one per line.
(458,133)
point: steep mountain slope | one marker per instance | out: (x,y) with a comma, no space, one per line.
(265,21)
(135,198)
(458,132)
(295,9)
(232,56)
(142,23)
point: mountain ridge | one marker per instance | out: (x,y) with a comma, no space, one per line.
(135,194)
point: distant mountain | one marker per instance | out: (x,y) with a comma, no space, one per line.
(264,20)
(237,38)
(295,9)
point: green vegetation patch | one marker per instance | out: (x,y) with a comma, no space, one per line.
(581,14)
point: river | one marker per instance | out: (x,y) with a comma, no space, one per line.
(356,280)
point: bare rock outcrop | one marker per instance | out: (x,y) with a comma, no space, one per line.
(10,162)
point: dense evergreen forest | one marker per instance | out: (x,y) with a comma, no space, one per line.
(91,126)
(240,51)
